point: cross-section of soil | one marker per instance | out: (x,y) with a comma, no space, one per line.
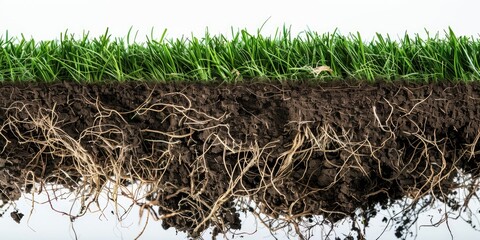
(295,149)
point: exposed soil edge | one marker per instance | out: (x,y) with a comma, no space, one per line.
(296,149)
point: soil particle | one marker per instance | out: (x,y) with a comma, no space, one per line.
(16,216)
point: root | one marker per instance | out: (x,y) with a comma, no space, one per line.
(285,179)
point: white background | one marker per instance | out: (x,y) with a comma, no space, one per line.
(46,19)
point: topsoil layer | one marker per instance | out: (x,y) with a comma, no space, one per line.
(297,150)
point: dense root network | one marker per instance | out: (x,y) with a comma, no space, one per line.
(195,166)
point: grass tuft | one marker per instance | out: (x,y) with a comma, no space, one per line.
(241,56)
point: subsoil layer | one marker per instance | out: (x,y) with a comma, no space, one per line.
(295,149)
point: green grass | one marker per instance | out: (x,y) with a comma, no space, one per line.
(241,56)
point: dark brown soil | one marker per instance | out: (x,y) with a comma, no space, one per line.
(295,149)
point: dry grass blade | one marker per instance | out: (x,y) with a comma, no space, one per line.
(318,70)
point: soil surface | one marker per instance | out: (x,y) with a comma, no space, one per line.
(296,150)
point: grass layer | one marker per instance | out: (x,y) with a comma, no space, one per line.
(241,56)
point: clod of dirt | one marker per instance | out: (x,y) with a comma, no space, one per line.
(295,150)
(16,216)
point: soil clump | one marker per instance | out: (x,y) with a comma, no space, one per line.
(204,151)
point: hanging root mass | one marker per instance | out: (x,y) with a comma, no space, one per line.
(285,154)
